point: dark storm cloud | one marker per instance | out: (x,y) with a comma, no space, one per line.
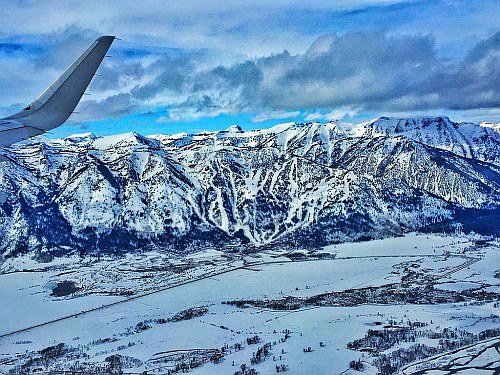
(113,106)
(358,68)
(246,74)
(172,74)
(184,58)
(57,50)
(477,78)
(367,70)
(115,76)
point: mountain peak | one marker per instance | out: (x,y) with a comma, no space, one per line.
(81,137)
(404,123)
(234,129)
(491,125)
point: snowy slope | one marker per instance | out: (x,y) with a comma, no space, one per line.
(464,139)
(296,184)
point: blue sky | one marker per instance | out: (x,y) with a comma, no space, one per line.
(204,65)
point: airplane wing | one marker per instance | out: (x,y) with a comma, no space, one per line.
(13,131)
(53,107)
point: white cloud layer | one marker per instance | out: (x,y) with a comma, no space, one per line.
(325,60)
(275,115)
(357,71)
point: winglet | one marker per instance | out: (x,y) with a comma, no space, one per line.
(53,107)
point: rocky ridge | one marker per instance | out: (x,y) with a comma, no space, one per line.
(301,185)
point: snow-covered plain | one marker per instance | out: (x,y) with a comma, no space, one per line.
(211,278)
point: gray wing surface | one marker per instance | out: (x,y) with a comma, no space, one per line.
(53,107)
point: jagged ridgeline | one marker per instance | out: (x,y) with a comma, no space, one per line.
(302,185)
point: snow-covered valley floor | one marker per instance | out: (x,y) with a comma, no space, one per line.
(212,311)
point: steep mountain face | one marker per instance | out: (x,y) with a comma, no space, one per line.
(293,184)
(465,139)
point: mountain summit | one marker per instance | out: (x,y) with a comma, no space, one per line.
(302,185)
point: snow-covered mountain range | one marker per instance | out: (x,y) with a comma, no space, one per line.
(294,184)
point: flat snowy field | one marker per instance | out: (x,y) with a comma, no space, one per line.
(453,262)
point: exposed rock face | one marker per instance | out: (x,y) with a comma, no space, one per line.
(300,184)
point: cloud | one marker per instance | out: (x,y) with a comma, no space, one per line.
(10,48)
(368,71)
(250,28)
(275,115)
(337,114)
(29,64)
(119,76)
(114,106)
(170,74)
(364,69)
(477,78)
(191,60)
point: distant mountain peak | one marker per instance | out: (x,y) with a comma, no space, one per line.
(491,125)
(234,129)
(81,137)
